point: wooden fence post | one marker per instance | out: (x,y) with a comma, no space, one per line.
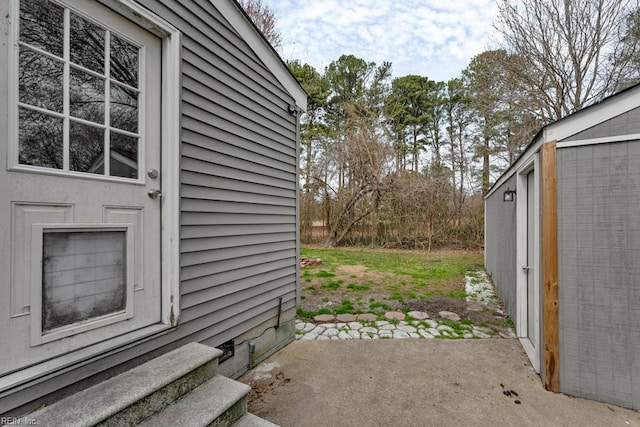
(549,257)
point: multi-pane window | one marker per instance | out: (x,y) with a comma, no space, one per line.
(78,94)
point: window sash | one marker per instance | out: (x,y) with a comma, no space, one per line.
(127,164)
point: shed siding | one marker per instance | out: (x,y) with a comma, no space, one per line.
(500,244)
(624,124)
(599,271)
(238,189)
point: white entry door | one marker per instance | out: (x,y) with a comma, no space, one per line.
(79,196)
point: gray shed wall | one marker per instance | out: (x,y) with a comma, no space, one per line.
(238,190)
(599,271)
(624,124)
(500,244)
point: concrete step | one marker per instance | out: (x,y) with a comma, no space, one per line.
(135,395)
(218,402)
(250,420)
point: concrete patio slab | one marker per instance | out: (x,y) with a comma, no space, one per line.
(415,383)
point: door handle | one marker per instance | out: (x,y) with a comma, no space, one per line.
(154,193)
(527,268)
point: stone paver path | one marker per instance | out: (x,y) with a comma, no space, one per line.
(415,324)
(384,329)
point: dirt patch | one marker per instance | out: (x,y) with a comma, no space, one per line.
(352,270)
(264,388)
(477,312)
(437,303)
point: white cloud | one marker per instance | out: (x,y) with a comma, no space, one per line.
(433,38)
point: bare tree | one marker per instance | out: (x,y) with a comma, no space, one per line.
(264,19)
(368,165)
(628,53)
(567,47)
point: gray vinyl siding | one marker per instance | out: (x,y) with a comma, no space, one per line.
(238,188)
(624,124)
(238,191)
(500,244)
(599,271)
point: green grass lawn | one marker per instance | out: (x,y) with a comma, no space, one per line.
(364,280)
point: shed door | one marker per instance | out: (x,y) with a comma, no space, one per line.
(531,263)
(528,287)
(79,193)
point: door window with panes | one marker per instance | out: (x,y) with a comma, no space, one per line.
(79,90)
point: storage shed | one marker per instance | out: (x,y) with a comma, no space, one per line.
(148,190)
(563,249)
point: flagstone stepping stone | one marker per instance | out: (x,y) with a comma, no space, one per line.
(344,336)
(449,315)
(407,328)
(418,315)
(331,332)
(424,333)
(394,315)
(367,317)
(354,334)
(447,328)
(400,334)
(323,318)
(433,331)
(431,323)
(346,318)
(308,327)
(318,330)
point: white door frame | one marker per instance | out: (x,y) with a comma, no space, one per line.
(171,97)
(531,345)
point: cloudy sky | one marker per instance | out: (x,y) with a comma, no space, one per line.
(433,38)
